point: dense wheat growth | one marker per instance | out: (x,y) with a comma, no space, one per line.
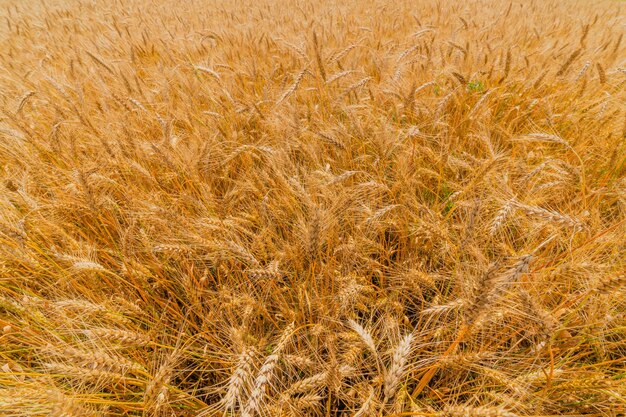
(312,208)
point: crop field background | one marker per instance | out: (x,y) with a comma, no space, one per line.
(312,208)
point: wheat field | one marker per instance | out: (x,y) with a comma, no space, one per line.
(312,208)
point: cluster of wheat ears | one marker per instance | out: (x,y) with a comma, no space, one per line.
(312,208)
